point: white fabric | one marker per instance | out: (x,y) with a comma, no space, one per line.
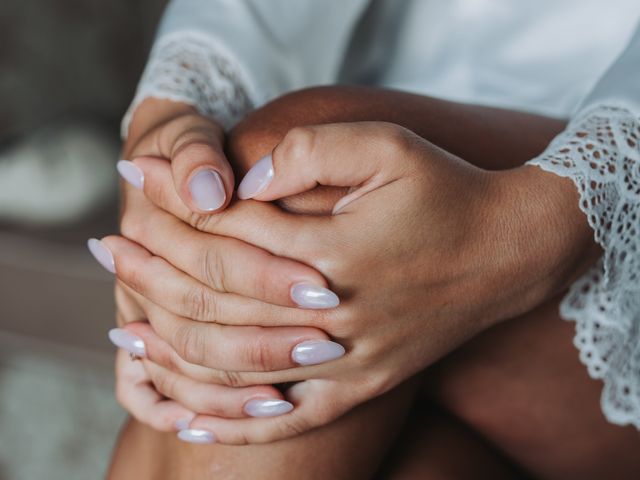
(600,152)
(544,57)
(189,67)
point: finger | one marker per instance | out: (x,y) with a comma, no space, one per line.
(137,395)
(317,403)
(243,349)
(218,400)
(202,175)
(128,309)
(161,283)
(316,155)
(160,352)
(230,265)
(263,225)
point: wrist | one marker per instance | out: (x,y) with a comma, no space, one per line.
(545,239)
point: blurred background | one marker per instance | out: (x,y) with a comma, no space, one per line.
(68,69)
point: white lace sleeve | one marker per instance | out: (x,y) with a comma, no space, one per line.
(225,57)
(600,152)
(191,68)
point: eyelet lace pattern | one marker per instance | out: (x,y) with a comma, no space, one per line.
(600,152)
(191,68)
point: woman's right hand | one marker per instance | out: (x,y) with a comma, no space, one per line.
(194,146)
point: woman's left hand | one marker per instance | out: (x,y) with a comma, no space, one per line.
(426,251)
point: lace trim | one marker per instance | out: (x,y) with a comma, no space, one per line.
(192,68)
(600,152)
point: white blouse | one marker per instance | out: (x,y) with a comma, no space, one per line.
(577,59)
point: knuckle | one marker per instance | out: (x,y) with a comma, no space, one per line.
(291,426)
(164,383)
(133,277)
(242,439)
(398,142)
(231,378)
(259,354)
(199,304)
(205,222)
(199,221)
(189,345)
(316,246)
(166,358)
(213,266)
(298,144)
(262,282)
(375,386)
(132,226)
(333,265)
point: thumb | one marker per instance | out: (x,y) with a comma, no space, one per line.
(201,173)
(356,155)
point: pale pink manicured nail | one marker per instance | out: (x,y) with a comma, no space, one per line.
(307,295)
(131,173)
(102,254)
(257,179)
(267,407)
(313,352)
(183,423)
(127,341)
(207,190)
(196,435)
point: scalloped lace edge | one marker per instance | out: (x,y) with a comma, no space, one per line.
(600,152)
(193,68)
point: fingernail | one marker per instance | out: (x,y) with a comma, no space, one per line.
(183,423)
(267,407)
(102,254)
(127,341)
(313,352)
(131,173)
(257,179)
(195,435)
(207,190)
(307,295)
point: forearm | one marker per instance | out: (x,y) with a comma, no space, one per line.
(490,138)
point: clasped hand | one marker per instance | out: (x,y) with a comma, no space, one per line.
(418,252)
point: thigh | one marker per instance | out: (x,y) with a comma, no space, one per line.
(522,387)
(434,445)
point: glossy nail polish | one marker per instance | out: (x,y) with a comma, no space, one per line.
(257,179)
(313,352)
(207,190)
(127,341)
(196,435)
(102,254)
(307,295)
(131,173)
(183,423)
(267,407)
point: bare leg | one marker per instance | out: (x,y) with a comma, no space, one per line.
(435,445)
(521,386)
(350,449)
